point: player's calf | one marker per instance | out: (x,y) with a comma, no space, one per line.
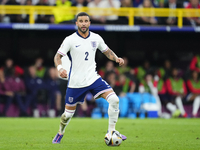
(64,121)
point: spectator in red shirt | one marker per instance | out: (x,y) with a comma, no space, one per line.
(177,91)
(194,88)
(195,63)
(194,4)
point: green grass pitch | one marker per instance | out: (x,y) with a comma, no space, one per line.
(88,134)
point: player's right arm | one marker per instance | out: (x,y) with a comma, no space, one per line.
(58,63)
(62,51)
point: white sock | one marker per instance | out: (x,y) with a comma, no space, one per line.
(65,119)
(171,107)
(113,110)
(196,105)
(179,104)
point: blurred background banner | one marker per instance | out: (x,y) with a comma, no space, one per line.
(117,28)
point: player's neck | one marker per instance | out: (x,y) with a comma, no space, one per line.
(84,35)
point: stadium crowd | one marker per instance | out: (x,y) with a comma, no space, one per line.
(69,18)
(37,90)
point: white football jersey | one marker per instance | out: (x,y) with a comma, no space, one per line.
(82,52)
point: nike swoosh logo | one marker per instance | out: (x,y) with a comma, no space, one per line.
(78,45)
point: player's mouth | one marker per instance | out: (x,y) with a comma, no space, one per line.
(83,28)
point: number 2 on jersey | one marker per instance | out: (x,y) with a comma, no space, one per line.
(86,55)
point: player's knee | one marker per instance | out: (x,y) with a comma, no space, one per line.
(66,116)
(112,99)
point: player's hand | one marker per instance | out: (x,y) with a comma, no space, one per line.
(120,61)
(63,73)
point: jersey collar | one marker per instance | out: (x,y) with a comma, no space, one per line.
(81,36)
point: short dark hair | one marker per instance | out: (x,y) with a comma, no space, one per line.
(81,14)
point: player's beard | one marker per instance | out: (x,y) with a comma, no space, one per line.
(80,29)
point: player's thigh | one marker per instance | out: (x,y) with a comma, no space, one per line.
(75,96)
(99,88)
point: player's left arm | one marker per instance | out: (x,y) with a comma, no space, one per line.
(112,56)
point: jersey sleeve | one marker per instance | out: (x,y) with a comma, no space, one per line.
(64,47)
(102,46)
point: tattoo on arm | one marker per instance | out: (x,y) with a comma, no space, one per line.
(57,59)
(111,55)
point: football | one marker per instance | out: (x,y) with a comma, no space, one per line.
(114,139)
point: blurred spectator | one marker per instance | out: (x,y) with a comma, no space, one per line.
(160,3)
(19,89)
(194,4)
(34,86)
(54,94)
(14,18)
(62,84)
(10,69)
(3,2)
(111,19)
(43,18)
(26,17)
(21,2)
(177,91)
(164,72)
(104,71)
(171,20)
(137,3)
(79,3)
(62,13)
(96,19)
(149,85)
(41,71)
(125,68)
(124,85)
(112,79)
(194,88)
(124,19)
(6,94)
(195,63)
(147,20)
(141,71)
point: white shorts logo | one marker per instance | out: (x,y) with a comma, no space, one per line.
(71,99)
